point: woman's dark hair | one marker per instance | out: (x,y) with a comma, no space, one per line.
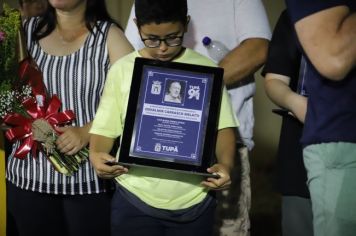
(160,11)
(95,11)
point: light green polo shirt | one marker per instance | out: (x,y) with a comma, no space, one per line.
(158,188)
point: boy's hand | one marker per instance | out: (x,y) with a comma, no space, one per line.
(104,170)
(218,183)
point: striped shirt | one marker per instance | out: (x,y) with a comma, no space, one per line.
(78,80)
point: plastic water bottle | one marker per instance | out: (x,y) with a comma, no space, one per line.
(216,49)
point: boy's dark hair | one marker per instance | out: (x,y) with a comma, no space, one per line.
(95,11)
(160,11)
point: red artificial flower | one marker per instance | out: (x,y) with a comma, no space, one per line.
(22,126)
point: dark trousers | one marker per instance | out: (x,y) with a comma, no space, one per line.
(32,213)
(297,216)
(128,220)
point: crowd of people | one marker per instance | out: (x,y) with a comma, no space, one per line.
(87,60)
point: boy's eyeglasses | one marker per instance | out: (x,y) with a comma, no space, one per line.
(172,41)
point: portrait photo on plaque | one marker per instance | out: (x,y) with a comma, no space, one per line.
(175,91)
(172,116)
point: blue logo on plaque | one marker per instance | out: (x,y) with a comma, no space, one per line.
(194,92)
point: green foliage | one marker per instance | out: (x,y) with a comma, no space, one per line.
(10,23)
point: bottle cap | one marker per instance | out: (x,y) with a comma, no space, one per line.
(206,41)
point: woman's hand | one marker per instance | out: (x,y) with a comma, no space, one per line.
(72,139)
(223,182)
(105,165)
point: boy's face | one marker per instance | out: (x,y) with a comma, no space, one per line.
(171,32)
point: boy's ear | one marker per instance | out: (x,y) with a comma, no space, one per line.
(186,25)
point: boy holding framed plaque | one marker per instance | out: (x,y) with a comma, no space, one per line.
(152,201)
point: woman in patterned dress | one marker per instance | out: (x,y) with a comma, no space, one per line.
(73,43)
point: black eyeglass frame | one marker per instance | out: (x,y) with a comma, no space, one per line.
(159,41)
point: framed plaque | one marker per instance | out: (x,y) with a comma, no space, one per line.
(172,116)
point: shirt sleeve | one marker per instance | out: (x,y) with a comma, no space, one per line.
(108,121)
(283,54)
(253,12)
(299,9)
(227,117)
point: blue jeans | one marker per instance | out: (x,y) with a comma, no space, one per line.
(331,169)
(128,220)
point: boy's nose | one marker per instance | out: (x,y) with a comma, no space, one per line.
(163,46)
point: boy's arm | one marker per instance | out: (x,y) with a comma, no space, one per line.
(279,92)
(282,68)
(100,147)
(225,153)
(328,38)
(118,45)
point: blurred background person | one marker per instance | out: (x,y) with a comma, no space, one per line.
(284,73)
(326,31)
(30,8)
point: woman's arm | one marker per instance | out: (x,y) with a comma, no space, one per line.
(118,45)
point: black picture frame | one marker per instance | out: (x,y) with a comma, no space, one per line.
(179,135)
